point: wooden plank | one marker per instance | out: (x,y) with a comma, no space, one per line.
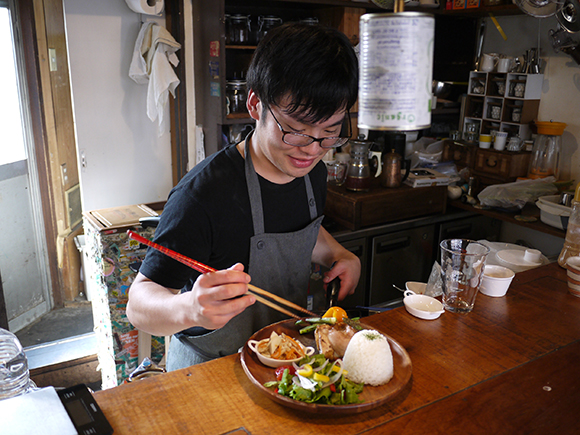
(539,397)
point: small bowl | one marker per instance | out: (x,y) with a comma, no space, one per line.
(496,280)
(271,362)
(422,306)
(416,287)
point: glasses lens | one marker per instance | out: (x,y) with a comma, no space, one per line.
(297,140)
(333,142)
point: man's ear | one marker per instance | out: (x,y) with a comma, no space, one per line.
(254,105)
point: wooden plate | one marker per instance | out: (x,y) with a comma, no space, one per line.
(372,396)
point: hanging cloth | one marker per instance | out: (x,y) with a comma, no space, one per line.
(153,56)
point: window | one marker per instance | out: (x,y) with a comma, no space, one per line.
(12,147)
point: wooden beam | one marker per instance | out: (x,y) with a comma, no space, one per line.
(178,109)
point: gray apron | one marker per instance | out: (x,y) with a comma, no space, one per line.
(279,263)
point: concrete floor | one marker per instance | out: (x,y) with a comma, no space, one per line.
(76,318)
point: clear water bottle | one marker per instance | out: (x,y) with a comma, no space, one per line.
(14,375)
(571,246)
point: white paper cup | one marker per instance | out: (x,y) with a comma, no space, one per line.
(496,280)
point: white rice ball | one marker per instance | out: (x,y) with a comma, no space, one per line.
(368,358)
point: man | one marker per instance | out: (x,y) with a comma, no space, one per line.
(255,207)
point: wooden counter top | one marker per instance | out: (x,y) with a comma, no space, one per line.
(510,366)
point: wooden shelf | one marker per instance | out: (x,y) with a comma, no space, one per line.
(484,11)
(530,210)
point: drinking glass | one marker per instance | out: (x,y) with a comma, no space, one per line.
(462,264)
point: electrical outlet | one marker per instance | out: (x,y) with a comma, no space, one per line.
(83,159)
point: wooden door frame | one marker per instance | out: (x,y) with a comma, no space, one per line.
(27,19)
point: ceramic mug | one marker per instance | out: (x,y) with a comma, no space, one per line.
(484,140)
(500,140)
(504,64)
(489,61)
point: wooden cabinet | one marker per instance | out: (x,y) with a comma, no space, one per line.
(493,167)
(489,166)
(399,257)
(460,153)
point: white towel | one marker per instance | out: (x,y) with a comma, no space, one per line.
(152,58)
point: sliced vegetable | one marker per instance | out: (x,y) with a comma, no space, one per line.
(318,381)
(308,329)
(305,371)
(338,313)
(320,378)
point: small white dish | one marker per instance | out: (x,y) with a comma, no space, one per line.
(272,362)
(422,306)
(416,287)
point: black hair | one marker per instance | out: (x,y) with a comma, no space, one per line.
(315,66)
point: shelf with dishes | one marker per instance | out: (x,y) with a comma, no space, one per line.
(502,102)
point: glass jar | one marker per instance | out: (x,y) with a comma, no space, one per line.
(267,22)
(571,246)
(236,95)
(238,29)
(14,374)
(545,159)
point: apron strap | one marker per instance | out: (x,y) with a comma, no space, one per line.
(255,192)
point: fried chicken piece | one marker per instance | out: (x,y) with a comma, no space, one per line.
(332,340)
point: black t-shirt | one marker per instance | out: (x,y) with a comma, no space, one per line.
(208,217)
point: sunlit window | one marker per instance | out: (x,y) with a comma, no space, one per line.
(11,137)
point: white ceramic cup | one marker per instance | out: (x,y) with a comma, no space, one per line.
(504,64)
(496,280)
(484,140)
(500,140)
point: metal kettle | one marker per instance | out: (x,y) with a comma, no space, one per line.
(358,173)
(391,173)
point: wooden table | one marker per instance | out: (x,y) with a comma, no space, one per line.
(511,366)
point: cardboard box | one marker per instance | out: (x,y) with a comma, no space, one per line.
(458,4)
(470,4)
(423,177)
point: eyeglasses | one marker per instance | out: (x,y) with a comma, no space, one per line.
(302,140)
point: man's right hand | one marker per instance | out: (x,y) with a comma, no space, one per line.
(215,298)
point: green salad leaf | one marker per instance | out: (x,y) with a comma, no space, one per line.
(318,380)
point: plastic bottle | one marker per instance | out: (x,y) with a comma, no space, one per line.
(572,243)
(14,375)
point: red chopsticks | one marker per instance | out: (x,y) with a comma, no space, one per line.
(200,267)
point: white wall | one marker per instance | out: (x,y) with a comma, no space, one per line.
(560,99)
(126,162)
